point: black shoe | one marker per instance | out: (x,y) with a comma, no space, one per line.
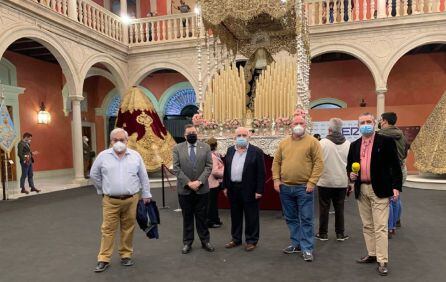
(208,247)
(35,190)
(101,266)
(291,250)
(321,237)
(367,259)
(382,269)
(127,262)
(341,237)
(186,249)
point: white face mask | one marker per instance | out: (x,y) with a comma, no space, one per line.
(119,147)
(298,130)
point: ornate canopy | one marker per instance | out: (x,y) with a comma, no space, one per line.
(245,26)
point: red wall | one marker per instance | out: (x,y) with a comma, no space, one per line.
(53,141)
(158,83)
(100,2)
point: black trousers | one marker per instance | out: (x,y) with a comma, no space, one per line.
(326,196)
(250,210)
(213,217)
(194,206)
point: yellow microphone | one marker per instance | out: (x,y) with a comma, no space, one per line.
(356,167)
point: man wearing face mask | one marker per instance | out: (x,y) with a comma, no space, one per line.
(297,166)
(26,162)
(378,179)
(192,164)
(243,183)
(119,174)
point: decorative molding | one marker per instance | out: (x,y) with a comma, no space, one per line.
(333,101)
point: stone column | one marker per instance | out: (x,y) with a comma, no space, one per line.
(380,101)
(381,8)
(125,26)
(78,162)
(124,7)
(72,9)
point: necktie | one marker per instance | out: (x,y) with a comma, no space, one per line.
(193,156)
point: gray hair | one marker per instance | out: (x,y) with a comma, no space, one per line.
(335,125)
(118,130)
(367,114)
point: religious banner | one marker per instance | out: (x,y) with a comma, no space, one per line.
(8,136)
(350,129)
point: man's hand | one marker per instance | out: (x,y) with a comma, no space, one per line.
(277,184)
(396,194)
(225,192)
(310,187)
(353,176)
(194,185)
(258,196)
(146,200)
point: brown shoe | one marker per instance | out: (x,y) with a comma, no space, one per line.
(35,190)
(367,259)
(231,245)
(382,269)
(24,191)
(250,247)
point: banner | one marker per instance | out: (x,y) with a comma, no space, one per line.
(350,129)
(8,136)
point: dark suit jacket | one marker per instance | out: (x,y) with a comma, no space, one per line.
(253,178)
(385,169)
(23,149)
(185,171)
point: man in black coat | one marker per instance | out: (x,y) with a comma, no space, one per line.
(243,183)
(378,179)
(26,162)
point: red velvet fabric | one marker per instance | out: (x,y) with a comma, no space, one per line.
(128,122)
(270,199)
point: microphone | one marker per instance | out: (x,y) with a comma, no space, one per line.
(356,167)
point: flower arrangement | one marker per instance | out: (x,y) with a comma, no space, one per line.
(256,123)
(283,121)
(212,125)
(235,123)
(265,122)
(198,120)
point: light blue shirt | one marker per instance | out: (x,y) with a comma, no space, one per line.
(238,162)
(116,177)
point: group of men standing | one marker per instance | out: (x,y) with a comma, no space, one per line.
(301,163)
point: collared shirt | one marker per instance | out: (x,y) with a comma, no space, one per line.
(238,162)
(116,177)
(192,147)
(366,156)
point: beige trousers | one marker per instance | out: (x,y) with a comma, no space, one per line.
(374,214)
(114,212)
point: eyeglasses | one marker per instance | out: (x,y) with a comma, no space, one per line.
(119,140)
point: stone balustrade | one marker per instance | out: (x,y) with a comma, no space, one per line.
(153,30)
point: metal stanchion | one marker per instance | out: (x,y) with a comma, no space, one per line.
(163,188)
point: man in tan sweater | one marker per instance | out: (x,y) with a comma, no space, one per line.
(297,167)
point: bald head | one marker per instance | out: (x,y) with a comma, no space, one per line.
(299,120)
(241,132)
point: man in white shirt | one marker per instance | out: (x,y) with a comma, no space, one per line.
(332,186)
(119,174)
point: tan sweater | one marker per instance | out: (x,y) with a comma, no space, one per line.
(298,161)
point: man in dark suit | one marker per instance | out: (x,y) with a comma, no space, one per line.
(26,162)
(192,164)
(243,183)
(378,179)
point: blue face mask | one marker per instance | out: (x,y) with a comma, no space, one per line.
(366,129)
(241,142)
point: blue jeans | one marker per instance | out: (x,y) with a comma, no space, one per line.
(297,207)
(27,172)
(394,212)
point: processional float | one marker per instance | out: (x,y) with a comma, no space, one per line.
(271,87)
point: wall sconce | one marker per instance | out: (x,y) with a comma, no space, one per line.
(43,117)
(363,103)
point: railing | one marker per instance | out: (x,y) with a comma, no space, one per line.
(172,28)
(162,29)
(58,6)
(100,19)
(338,11)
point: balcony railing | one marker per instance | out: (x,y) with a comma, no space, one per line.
(339,11)
(162,29)
(154,30)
